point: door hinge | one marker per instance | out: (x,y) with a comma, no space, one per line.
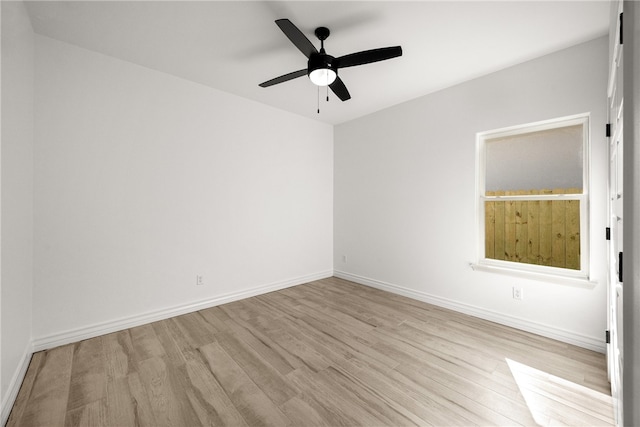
(607,337)
(620,267)
(608,233)
(608,130)
(621,28)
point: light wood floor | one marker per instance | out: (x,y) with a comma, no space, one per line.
(326,353)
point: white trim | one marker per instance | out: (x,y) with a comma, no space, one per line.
(15,384)
(579,197)
(591,343)
(579,281)
(79,334)
(583,119)
(558,122)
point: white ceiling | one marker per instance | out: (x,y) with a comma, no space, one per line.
(235,45)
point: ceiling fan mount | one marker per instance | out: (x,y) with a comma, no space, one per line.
(322,33)
(322,68)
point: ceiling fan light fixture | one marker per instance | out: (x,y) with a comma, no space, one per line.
(322,76)
(320,69)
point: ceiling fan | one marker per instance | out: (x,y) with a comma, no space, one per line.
(322,68)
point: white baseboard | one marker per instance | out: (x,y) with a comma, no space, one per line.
(14,386)
(79,334)
(548,331)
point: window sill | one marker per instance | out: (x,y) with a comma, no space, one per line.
(578,281)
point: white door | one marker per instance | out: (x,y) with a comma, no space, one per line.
(616,259)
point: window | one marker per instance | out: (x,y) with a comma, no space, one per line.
(533,197)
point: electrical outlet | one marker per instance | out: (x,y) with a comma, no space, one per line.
(199,280)
(344,259)
(518,293)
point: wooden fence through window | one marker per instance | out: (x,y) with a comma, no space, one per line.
(543,232)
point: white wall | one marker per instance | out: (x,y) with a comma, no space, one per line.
(404,185)
(144,180)
(16,243)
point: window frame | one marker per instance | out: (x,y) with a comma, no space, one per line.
(558,274)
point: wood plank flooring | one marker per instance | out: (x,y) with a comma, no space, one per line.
(327,353)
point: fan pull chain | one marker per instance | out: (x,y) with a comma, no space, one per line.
(318,99)
(327,93)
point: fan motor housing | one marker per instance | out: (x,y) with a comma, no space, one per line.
(320,60)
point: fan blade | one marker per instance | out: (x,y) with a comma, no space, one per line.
(284,78)
(296,37)
(340,89)
(368,56)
